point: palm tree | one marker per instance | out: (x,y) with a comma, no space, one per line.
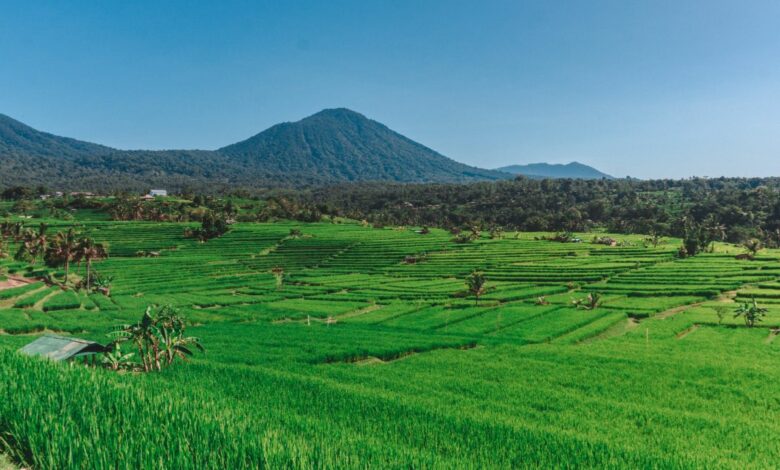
(5,233)
(476,284)
(27,249)
(89,251)
(33,244)
(61,250)
(41,241)
(18,231)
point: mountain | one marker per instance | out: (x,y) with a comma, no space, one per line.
(29,157)
(19,138)
(572,170)
(342,145)
(334,145)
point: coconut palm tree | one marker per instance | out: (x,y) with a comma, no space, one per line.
(88,251)
(5,234)
(33,244)
(27,249)
(61,251)
(18,231)
(41,241)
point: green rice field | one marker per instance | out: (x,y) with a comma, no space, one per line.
(360,359)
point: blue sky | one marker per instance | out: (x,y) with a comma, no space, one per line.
(647,89)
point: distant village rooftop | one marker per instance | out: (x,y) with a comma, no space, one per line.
(156,193)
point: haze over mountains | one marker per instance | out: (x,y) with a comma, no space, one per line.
(574,170)
(331,146)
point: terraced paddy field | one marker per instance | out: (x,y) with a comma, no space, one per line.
(360,359)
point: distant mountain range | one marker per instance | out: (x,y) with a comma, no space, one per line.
(334,145)
(572,170)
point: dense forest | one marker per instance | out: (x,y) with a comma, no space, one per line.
(724,209)
(728,209)
(333,145)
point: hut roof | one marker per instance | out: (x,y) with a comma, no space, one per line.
(61,348)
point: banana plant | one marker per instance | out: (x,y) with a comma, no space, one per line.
(117,360)
(751,312)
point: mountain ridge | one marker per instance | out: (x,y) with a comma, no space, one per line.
(575,170)
(331,146)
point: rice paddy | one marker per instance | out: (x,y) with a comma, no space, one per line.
(360,358)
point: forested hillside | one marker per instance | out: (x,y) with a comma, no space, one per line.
(331,146)
(342,145)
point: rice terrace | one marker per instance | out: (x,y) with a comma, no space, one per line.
(368,349)
(389,235)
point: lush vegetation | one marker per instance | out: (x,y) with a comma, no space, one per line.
(699,211)
(331,146)
(344,345)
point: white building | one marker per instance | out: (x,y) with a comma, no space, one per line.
(158,193)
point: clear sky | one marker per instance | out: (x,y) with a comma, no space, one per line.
(641,88)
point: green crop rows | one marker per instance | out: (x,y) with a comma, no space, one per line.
(362,359)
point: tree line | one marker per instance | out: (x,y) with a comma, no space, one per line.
(699,210)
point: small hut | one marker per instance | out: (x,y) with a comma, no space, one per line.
(63,348)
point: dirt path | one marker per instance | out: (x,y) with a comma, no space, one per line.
(39,304)
(15,281)
(8,303)
(373,360)
(674,311)
(728,297)
(618,329)
(331,319)
(358,312)
(688,331)
(725,297)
